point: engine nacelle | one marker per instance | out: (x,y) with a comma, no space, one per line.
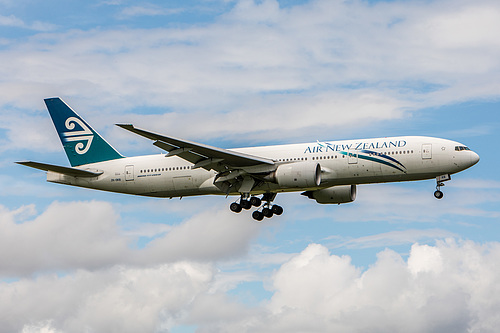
(301,174)
(333,195)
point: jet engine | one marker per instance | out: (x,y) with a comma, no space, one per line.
(333,195)
(301,174)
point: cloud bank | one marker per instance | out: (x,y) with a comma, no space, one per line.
(451,286)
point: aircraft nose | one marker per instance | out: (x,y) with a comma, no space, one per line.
(474,158)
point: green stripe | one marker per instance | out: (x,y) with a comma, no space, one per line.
(374,159)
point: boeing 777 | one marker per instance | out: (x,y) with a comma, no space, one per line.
(327,172)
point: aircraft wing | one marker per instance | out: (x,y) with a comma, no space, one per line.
(203,156)
(60,169)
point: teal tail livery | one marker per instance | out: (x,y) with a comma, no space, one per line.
(82,144)
(327,172)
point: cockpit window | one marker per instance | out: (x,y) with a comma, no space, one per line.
(460,148)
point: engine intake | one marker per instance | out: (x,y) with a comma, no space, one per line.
(301,174)
(333,195)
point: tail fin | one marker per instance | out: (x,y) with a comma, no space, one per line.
(83,145)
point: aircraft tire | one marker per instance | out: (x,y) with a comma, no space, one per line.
(258,216)
(277,210)
(255,201)
(438,194)
(267,212)
(235,207)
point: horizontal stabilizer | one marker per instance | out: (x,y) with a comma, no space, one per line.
(60,169)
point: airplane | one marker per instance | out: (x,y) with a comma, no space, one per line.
(327,172)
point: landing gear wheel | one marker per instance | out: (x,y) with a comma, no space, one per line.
(258,215)
(277,210)
(438,194)
(235,207)
(245,204)
(267,212)
(256,202)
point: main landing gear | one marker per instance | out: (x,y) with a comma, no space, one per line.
(266,210)
(439,182)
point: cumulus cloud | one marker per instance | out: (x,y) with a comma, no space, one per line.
(210,235)
(65,236)
(449,286)
(116,299)
(87,235)
(446,287)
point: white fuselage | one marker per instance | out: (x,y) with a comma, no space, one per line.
(342,163)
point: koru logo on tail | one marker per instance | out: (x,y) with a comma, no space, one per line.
(84,135)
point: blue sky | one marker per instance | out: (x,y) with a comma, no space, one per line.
(243,73)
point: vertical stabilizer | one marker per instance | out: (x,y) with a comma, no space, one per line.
(82,144)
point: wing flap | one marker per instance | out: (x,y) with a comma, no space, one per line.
(197,152)
(61,169)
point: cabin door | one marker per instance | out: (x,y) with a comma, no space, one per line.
(352,157)
(426,151)
(129,172)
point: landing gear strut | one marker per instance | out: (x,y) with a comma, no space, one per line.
(438,194)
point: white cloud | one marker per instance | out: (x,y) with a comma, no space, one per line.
(425,258)
(435,291)
(393,238)
(146,10)
(87,235)
(211,235)
(339,63)
(13,21)
(450,286)
(65,236)
(116,299)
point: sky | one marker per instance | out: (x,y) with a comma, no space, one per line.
(235,74)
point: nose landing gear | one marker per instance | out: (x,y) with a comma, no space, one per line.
(439,182)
